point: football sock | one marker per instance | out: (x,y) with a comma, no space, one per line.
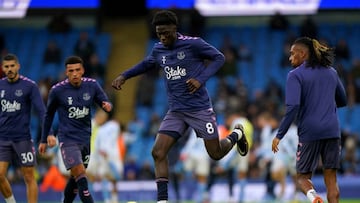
(70,191)
(162,189)
(233,137)
(84,192)
(10,199)
(311,194)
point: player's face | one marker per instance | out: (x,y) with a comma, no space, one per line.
(74,72)
(297,55)
(166,34)
(11,69)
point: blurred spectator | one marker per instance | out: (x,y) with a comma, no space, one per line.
(350,156)
(52,53)
(230,66)
(145,90)
(3,51)
(84,47)
(131,169)
(197,23)
(284,61)
(59,23)
(2,42)
(308,28)
(268,124)
(229,50)
(342,51)
(354,83)
(244,53)
(278,22)
(146,171)
(95,69)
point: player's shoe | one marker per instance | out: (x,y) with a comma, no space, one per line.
(242,143)
(317,200)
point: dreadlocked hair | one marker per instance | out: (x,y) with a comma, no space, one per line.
(319,54)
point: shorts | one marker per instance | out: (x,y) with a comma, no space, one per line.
(308,154)
(203,122)
(74,154)
(23,152)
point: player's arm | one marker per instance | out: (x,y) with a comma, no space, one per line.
(340,95)
(101,98)
(214,56)
(47,139)
(147,64)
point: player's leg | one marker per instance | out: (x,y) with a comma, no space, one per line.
(160,150)
(332,188)
(77,159)
(5,187)
(331,162)
(28,173)
(307,156)
(25,152)
(79,175)
(205,126)
(171,128)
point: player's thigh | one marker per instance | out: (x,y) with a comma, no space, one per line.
(330,154)
(3,168)
(25,152)
(204,124)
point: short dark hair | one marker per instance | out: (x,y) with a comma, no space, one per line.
(165,17)
(10,57)
(73,60)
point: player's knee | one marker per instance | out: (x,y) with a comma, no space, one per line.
(158,154)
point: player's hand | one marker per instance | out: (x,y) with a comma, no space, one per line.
(106,106)
(118,81)
(275,143)
(51,141)
(42,148)
(193,85)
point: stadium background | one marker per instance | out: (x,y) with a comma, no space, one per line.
(121,33)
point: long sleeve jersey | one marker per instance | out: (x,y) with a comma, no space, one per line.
(73,105)
(184,60)
(312,97)
(17,99)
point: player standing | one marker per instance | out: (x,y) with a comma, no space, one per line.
(18,95)
(72,99)
(313,93)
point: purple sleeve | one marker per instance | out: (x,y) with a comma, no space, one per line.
(290,114)
(38,103)
(100,95)
(145,65)
(49,116)
(340,94)
(292,101)
(209,52)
